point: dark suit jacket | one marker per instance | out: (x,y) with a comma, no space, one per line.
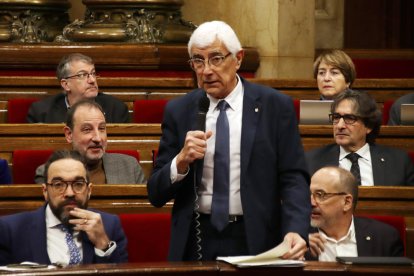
(273,169)
(23,238)
(374,239)
(53,109)
(390,166)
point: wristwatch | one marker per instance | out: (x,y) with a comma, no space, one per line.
(110,244)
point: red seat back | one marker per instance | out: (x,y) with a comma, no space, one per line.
(25,163)
(148,236)
(397,222)
(149,111)
(296,104)
(17,110)
(386,111)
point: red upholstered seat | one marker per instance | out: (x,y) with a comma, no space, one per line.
(411,154)
(296,104)
(149,111)
(154,156)
(386,111)
(148,236)
(17,110)
(398,222)
(25,163)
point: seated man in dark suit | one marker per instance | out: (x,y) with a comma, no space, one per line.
(78,78)
(63,231)
(356,123)
(334,195)
(86,130)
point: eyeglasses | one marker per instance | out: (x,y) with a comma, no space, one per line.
(349,119)
(59,186)
(320,196)
(83,76)
(198,64)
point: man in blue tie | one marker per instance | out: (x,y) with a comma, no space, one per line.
(239,183)
(63,231)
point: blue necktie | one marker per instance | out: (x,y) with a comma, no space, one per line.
(75,257)
(220,203)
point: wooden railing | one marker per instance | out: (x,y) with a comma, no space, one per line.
(129,89)
(145,138)
(398,201)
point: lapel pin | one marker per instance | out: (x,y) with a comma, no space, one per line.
(382,160)
(368,238)
(256,109)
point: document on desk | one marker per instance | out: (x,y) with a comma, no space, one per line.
(25,266)
(268,258)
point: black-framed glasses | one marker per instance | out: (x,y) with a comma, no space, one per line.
(83,76)
(321,196)
(59,186)
(349,119)
(198,64)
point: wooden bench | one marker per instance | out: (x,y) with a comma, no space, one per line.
(145,138)
(124,199)
(129,89)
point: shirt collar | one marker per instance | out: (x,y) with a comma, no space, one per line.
(233,99)
(51,220)
(363,152)
(350,236)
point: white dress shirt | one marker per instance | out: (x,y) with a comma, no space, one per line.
(344,247)
(234,114)
(364,162)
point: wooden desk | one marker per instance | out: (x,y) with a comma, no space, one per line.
(220,268)
(398,201)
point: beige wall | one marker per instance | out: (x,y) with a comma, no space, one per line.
(329,24)
(282,31)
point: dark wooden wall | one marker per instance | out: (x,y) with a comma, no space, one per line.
(379,24)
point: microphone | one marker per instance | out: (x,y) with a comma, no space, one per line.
(203,106)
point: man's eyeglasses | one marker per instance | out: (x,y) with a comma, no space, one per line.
(349,119)
(198,64)
(59,186)
(83,76)
(321,196)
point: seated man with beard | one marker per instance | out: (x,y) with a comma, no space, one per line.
(86,130)
(63,231)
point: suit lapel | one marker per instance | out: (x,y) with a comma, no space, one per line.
(363,238)
(88,249)
(251,111)
(110,169)
(38,244)
(378,165)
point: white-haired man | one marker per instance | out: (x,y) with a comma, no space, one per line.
(229,181)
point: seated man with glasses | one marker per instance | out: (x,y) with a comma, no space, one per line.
(336,231)
(356,124)
(78,79)
(63,231)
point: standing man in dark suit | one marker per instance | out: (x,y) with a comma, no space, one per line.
(356,124)
(63,231)
(337,232)
(266,190)
(78,79)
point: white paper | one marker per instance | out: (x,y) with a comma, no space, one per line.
(268,258)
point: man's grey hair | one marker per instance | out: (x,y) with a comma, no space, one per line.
(208,32)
